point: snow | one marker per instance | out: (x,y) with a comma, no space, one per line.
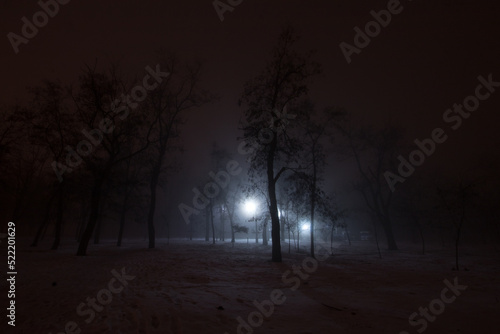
(197,287)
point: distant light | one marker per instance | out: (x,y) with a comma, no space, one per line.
(250,206)
(306,227)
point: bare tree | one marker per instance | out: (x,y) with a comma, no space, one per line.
(175,95)
(374,151)
(284,80)
(299,200)
(457,200)
(126,134)
(316,130)
(415,205)
(332,215)
(50,118)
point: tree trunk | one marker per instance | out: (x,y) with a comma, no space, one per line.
(18,209)
(81,224)
(59,218)
(231,222)
(298,237)
(313,197)
(41,228)
(152,204)
(212,221)
(222,220)
(97,232)
(421,232)
(347,233)
(298,232)
(387,225)
(191,231)
(168,232)
(289,241)
(312,232)
(264,233)
(273,203)
(122,227)
(207,224)
(374,222)
(331,240)
(457,239)
(123,215)
(282,229)
(256,231)
(45,221)
(94,214)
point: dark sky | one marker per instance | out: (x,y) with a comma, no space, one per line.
(424,61)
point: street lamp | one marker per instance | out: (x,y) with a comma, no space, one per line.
(250,207)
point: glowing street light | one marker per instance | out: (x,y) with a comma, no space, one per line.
(306,227)
(250,206)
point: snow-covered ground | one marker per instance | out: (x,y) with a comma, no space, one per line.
(197,287)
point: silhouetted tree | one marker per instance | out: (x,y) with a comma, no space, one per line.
(374,152)
(333,216)
(284,80)
(457,200)
(315,132)
(167,103)
(50,118)
(126,134)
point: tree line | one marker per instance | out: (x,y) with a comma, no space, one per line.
(101,148)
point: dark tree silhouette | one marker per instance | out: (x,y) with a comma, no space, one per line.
(284,80)
(167,103)
(97,99)
(457,200)
(374,152)
(51,119)
(315,132)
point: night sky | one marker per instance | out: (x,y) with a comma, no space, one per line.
(426,59)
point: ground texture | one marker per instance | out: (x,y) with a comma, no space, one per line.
(196,287)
